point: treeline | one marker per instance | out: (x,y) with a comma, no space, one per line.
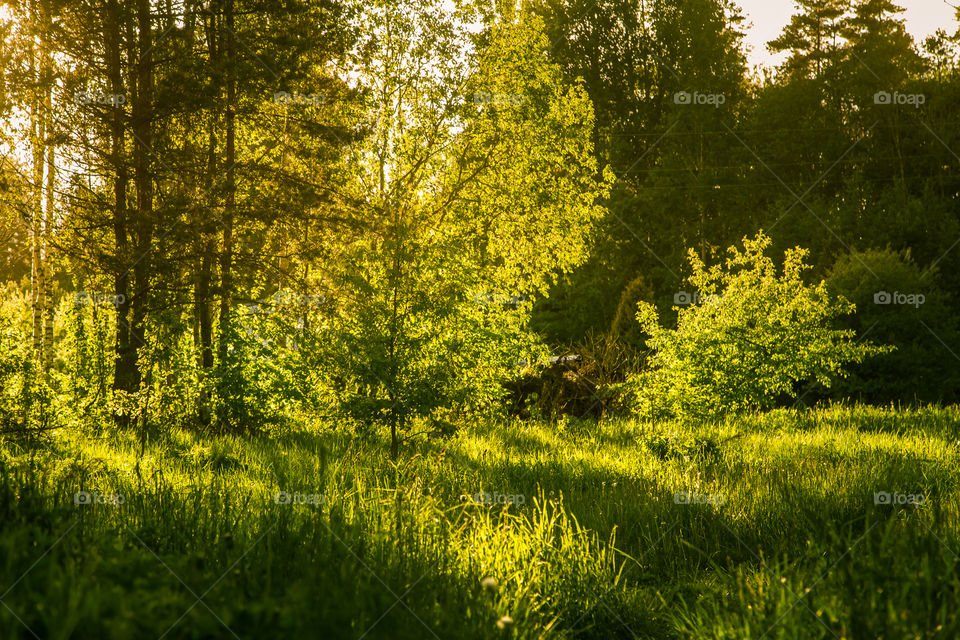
(850,148)
(221,213)
(237,210)
(144,151)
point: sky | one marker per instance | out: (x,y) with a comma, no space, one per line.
(922,18)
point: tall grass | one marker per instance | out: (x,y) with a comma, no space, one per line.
(584,538)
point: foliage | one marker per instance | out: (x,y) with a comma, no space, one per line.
(16,376)
(475,187)
(670,159)
(751,337)
(797,490)
(898,303)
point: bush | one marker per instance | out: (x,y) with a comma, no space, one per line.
(451,358)
(749,338)
(265,379)
(25,398)
(14,377)
(909,311)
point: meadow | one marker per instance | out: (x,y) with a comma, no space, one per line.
(838,522)
(405,319)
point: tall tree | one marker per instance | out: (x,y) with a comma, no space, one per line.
(230,188)
(477,180)
(124,378)
(813,38)
(143,179)
(636,57)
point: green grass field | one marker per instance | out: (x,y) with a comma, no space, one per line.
(759,527)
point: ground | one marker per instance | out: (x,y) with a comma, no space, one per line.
(841,522)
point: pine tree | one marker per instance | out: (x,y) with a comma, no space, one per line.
(813,38)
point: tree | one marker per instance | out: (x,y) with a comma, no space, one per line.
(636,58)
(475,186)
(813,38)
(878,48)
(898,303)
(30,67)
(749,338)
(232,175)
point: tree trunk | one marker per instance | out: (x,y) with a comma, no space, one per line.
(143,182)
(38,134)
(38,282)
(203,334)
(125,363)
(203,323)
(203,293)
(229,209)
(48,224)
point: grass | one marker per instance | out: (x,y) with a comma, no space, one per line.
(781,538)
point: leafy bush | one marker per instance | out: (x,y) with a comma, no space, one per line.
(451,359)
(83,360)
(898,303)
(682,446)
(751,336)
(25,397)
(265,378)
(14,377)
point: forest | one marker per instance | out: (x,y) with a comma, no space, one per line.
(477,319)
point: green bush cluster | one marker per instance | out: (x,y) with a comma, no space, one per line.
(753,335)
(900,304)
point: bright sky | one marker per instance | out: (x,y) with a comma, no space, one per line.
(768,18)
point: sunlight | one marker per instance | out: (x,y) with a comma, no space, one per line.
(540,320)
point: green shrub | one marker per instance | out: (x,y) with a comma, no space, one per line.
(451,359)
(751,335)
(24,396)
(265,379)
(898,303)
